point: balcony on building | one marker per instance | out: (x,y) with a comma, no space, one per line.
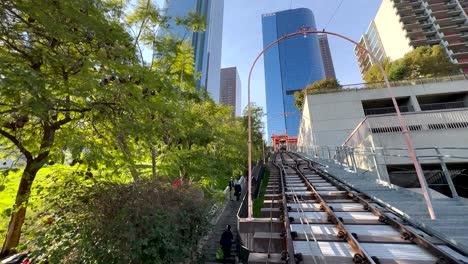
(452,36)
(464,5)
(438,5)
(454,28)
(402,4)
(385,106)
(408,10)
(424,41)
(414,25)
(413,17)
(457,46)
(448,21)
(443,101)
(443,13)
(418,33)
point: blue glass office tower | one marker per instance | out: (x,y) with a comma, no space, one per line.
(207,45)
(289,66)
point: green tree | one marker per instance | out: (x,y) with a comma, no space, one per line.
(420,62)
(257,115)
(428,61)
(75,82)
(315,87)
(62,64)
(374,74)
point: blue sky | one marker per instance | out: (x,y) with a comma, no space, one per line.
(242,36)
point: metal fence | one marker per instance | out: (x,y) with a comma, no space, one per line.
(368,161)
(406,82)
(415,121)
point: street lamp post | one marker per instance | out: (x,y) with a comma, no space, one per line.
(305,31)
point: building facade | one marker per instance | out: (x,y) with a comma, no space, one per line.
(402,25)
(207,45)
(289,66)
(364,120)
(231,89)
(326,57)
(371,41)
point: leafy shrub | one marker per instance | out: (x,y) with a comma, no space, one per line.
(144,222)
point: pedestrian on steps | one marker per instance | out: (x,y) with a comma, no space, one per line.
(237,190)
(226,243)
(231,187)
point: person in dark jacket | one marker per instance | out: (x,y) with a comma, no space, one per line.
(226,242)
(237,190)
(231,186)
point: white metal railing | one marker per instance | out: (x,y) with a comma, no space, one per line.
(368,161)
(416,121)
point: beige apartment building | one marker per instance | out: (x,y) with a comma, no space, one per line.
(402,25)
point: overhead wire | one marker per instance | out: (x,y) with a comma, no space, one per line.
(333,15)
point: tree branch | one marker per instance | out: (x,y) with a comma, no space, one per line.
(18,144)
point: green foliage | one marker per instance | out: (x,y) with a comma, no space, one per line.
(316,87)
(374,74)
(420,62)
(75,90)
(258,202)
(257,114)
(144,222)
(425,61)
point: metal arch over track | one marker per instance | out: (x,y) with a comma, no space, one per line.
(327,221)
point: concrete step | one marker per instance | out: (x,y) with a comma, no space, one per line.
(262,258)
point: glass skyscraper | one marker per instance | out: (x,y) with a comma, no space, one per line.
(289,66)
(207,45)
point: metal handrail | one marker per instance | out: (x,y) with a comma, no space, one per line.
(368,118)
(404,82)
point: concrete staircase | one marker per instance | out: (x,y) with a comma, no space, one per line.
(266,242)
(452,216)
(228,217)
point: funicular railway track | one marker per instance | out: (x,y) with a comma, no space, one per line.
(330,222)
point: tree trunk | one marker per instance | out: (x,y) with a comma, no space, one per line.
(19,210)
(154,155)
(127,153)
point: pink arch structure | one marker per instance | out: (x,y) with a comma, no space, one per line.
(305,31)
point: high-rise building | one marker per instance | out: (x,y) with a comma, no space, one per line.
(371,41)
(326,57)
(207,45)
(289,66)
(231,89)
(402,25)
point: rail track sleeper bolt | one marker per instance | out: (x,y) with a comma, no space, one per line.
(442,260)
(340,234)
(375,259)
(366,207)
(341,219)
(294,234)
(331,208)
(291,219)
(358,259)
(355,236)
(289,208)
(298,257)
(284,255)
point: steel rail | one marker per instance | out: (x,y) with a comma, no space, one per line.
(297,201)
(405,232)
(346,235)
(286,223)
